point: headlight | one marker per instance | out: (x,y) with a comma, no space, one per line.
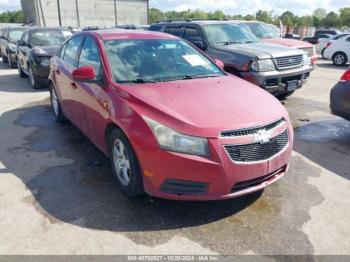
(306,59)
(45,62)
(12,47)
(171,140)
(262,65)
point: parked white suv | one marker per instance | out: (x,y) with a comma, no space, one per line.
(338,51)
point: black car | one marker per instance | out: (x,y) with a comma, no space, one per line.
(35,50)
(314,39)
(8,41)
(327,32)
(340,97)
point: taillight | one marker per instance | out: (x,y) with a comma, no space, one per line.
(346,76)
(328,44)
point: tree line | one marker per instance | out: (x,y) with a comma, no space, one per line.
(12,17)
(319,18)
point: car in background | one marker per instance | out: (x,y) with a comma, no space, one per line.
(338,51)
(340,97)
(340,36)
(8,42)
(172,122)
(35,50)
(267,35)
(292,36)
(277,69)
(327,32)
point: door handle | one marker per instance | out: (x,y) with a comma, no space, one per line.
(74,85)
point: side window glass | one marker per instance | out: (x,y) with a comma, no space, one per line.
(177,31)
(348,39)
(89,56)
(63,49)
(192,35)
(71,52)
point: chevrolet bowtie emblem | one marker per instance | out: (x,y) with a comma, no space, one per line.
(263,136)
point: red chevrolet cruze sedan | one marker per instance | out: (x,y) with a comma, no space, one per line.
(172,122)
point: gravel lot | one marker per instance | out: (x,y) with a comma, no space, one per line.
(57,195)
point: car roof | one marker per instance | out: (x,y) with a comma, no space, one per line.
(192,21)
(48,29)
(115,34)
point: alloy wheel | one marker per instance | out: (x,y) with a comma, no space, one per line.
(121,162)
(339,59)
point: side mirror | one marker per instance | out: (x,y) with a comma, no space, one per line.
(84,74)
(21,43)
(200,44)
(219,63)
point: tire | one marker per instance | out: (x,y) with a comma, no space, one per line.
(20,71)
(10,63)
(4,59)
(285,95)
(339,59)
(126,170)
(55,105)
(32,79)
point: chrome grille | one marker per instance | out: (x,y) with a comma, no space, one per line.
(251,131)
(289,61)
(258,151)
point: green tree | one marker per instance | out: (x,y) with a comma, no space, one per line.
(331,20)
(345,16)
(287,18)
(155,15)
(320,13)
(12,17)
(264,16)
(217,15)
(249,17)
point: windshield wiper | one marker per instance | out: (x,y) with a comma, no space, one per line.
(227,43)
(138,81)
(250,42)
(188,77)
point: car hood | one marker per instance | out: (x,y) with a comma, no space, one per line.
(287,42)
(46,50)
(262,50)
(205,107)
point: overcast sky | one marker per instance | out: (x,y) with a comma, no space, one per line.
(299,7)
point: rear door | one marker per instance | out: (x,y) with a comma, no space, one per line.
(64,81)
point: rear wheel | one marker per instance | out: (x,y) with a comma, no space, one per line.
(340,59)
(126,170)
(55,104)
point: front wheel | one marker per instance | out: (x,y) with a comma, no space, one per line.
(55,105)
(32,78)
(126,170)
(20,71)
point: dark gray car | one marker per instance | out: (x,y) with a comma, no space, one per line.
(340,97)
(278,69)
(8,41)
(35,50)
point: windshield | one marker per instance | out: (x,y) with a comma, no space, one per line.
(219,34)
(16,34)
(49,38)
(157,60)
(262,30)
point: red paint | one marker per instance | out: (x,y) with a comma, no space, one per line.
(84,73)
(346,76)
(198,107)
